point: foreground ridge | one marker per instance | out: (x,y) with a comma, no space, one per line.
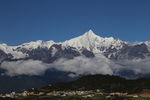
(103,87)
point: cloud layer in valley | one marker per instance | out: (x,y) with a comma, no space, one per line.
(29,67)
(78,65)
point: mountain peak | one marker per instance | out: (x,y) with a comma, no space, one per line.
(92,42)
(90,33)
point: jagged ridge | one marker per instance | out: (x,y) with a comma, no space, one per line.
(89,43)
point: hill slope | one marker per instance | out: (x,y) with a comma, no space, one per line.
(105,83)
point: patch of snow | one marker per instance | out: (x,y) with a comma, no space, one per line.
(54,50)
(148,44)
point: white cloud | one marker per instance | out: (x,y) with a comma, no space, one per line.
(78,65)
(137,65)
(83,65)
(29,67)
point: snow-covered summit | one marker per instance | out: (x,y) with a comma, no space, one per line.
(36,44)
(11,50)
(29,46)
(88,40)
(87,44)
(93,42)
(90,34)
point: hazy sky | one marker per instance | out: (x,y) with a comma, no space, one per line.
(29,20)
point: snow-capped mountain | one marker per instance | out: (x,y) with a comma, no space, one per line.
(11,50)
(89,44)
(87,54)
(36,44)
(94,43)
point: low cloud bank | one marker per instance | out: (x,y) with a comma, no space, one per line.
(138,66)
(29,67)
(83,65)
(78,65)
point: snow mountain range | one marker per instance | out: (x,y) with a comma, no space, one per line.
(36,64)
(89,45)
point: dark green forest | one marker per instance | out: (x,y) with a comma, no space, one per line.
(105,83)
